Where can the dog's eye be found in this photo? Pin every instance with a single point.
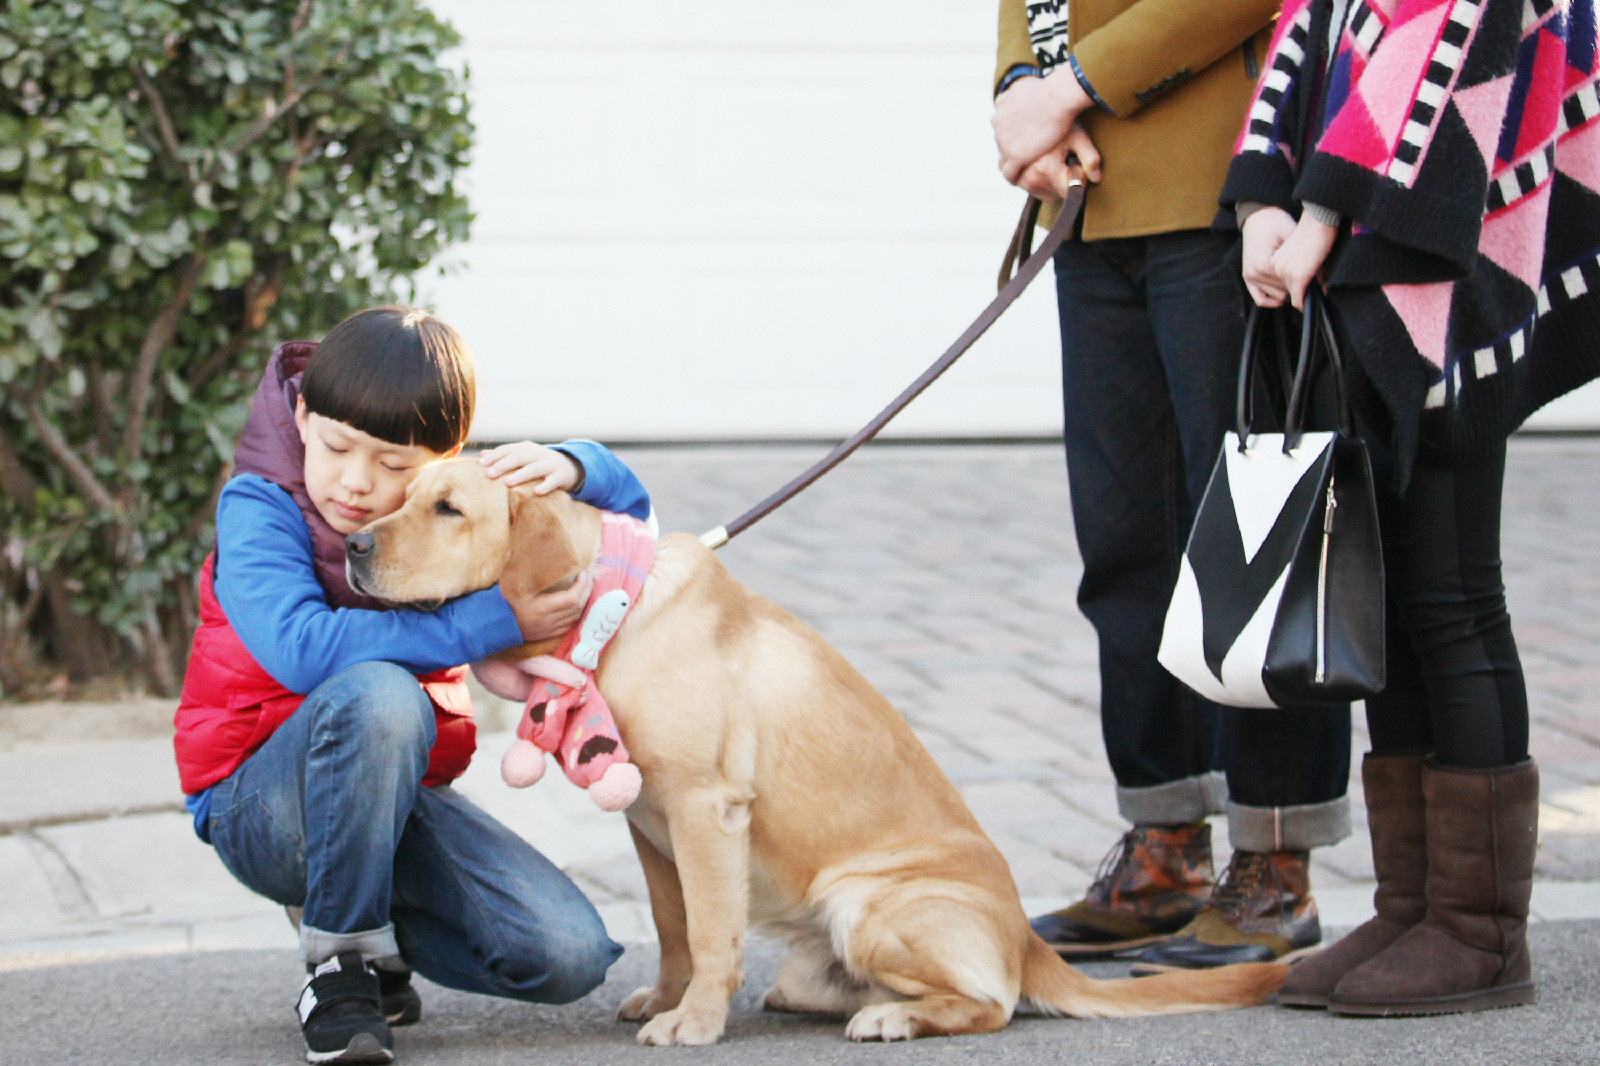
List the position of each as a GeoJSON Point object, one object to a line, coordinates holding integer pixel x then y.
{"type": "Point", "coordinates": [444, 507]}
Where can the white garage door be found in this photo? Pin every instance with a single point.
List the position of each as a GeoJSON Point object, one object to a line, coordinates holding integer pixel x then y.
{"type": "Point", "coordinates": [714, 219]}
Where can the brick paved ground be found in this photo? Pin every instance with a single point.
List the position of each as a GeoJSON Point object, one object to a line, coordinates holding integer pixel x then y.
{"type": "Point", "coordinates": [946, 574]}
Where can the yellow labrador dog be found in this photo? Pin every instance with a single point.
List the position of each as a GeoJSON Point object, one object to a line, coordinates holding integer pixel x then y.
{"type": "Point", "coordinates": [780, 789]}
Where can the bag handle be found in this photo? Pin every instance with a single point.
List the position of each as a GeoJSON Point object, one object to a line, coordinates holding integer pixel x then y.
{"type": "Point", "coordinates": [1315, 326]}
{"type": "Point", "coordinates": [1315, 323]}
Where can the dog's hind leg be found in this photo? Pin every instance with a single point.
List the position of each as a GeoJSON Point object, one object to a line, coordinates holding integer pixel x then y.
{"type": "Point", "coordinates": [813, 981]}
{"type": "Point", "coordinates": [710, 832]}
{"type": "Point", "coordinates": [672, 930]}
{"type": "Point", "coordinates": [937, 1015]}
{"type": "Point", "coordinates": [941, 952]}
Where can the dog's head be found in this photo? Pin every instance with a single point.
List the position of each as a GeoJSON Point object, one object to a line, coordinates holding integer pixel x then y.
{"type": "Point", "coordinates": [460, 531]}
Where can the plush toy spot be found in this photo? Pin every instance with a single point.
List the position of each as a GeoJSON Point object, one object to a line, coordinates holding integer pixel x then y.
{"type": "Point", "coordinates": [595, 746]}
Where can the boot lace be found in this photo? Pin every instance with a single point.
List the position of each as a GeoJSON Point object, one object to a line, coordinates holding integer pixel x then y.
{"type": "Point", "coordinates": [1242, 882]}
{"type": "Point", "coordinates": [1111, 865]}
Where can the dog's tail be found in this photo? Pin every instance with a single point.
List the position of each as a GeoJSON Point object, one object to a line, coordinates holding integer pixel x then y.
{"type": "Point", "coordinates": [1053, 987]}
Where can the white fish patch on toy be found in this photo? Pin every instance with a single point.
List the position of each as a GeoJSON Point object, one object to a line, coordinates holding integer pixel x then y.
{"type": "Point", "coordinates": [598, 627]}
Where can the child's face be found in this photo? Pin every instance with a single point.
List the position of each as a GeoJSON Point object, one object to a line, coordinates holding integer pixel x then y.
{"type": "Point", "coordinates": [353, 477]}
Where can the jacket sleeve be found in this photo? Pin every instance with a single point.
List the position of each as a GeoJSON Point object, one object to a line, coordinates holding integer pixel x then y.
{"type": "Point", "coordinates": [1420, 196]}
{"type": "Point", "coordinates": [1015, 47]}
{"type": "Point", "coordinates": [607, 482]}
{"type": "Point", "coordinates": [1156, 45]}
{"type": "Point", "coordinates": [1262, 169]}
{"type": "Point", "coordinates": [267, 586]}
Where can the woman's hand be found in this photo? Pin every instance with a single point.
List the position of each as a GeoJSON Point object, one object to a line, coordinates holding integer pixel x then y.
{"type": "Point", "coordinates": [1264, 233]}
{"type": "Point", "coordinates": [1034, 116]}
{"type": "Point", "coordinates": [1299, 258]}
{"type": "Point", "coordinates": [1047, 177]}
{"type": "Point", "coordinates": [526, 461]}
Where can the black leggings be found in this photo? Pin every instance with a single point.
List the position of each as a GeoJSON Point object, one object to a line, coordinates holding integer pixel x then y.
{"type": "Point", "coordinates": [1455, 685]}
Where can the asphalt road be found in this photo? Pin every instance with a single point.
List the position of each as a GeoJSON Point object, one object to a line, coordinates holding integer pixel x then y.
{"type": "Point", "coordinates": [227, 1008]}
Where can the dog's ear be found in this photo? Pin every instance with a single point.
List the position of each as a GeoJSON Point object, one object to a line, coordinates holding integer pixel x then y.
{"type": "Point", "coordinates": [541, 551]}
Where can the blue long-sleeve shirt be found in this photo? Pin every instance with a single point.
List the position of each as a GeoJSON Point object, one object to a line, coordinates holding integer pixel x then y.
{"type": "Point", "coordinates": [266, 583]}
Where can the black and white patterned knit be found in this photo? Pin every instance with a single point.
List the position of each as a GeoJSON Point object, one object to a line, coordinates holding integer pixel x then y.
{"type": "Point", "coordinates": [1047, 30]}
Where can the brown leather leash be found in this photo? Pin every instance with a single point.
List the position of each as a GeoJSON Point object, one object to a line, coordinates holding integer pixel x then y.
{"type": "Point", "coordinates": [1021, 251]}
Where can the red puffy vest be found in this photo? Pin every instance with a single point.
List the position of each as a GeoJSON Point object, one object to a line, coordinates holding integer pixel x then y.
{"type": "Point", "coordinates": [230, 706]}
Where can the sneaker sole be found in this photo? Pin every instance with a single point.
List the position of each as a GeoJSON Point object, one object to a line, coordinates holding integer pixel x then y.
{"type": "Point", "coordinates": [363, 1048]}
{"type": "Point", "coordinates": [1107, 951]}
{"type": "Point", "coordinates": [1518, 995]}
{"type": "Point", "coordinates": [1150, 969]}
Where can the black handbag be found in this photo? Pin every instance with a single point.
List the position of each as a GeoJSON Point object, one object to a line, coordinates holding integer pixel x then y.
{"type": "Point", "coordinates": [1280, 594]}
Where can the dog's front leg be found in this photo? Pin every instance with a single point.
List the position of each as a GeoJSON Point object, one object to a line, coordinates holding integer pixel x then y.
{"type": "Point", "coordinates": [672, 929]}
{"type": "Point", "coordinates": [710, 831]}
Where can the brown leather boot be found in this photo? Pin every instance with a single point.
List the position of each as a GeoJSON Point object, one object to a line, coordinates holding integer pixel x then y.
{"type": "Point", "coordinates": [1148, 887]}
{"type": "Point", "coordinates": [1393, 785]}
{"type": "Point", "coordinates": [1260, 911]}
{"type": "Point", "coordinates": [1471, 950]}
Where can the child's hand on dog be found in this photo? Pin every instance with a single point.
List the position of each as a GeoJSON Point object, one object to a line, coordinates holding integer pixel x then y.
{"type": "Point", "coordinates": [526, 461]}
{"type": "Point", "coordinates": [550, 614]}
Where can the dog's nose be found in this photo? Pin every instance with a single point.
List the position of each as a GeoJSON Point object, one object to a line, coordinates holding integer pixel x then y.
{"type": "Point", "coordinates": [358, 545]}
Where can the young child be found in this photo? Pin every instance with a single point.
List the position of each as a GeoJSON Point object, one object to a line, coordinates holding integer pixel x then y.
{"type": "Point", "coordinates": [319, 729]}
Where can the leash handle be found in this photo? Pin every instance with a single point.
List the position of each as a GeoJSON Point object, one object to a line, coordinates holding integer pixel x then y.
{"type": "Point", "coordinates": [1071, 186]}
{"type": "Point", "coordinates": [1022, 240]}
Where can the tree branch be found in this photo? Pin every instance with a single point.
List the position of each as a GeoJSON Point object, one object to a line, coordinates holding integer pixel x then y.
{"type": "Point", "coordinates": [169, 135]}
{"type": "Point", "coordinates": [156, 339]}
{"type": "Point", "coordinates": [258, 301]}
{"type": "Point", "coordinates": [15, 480]}
{"type": "Point", "coordinates": [158, 656]}
{"type": "Point", "coordinates": [265, 122]}
{"type": "Point", "coordinates": [94, 371]}
{"type": "Point", "coordinates": [76, 468]}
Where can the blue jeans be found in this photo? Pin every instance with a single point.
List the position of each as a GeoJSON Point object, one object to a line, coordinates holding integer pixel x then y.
{"type": "Point", "coordinates": [329, 815]}
{"type": "Point", "coordinates": [1151, 332]}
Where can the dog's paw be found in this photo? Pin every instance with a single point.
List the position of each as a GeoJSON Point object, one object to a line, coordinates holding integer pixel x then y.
{"type": "Point", "coordinates": [643, 1004]}
{"type": "Point", "coordinates": [681, 1026]}
{"type": "Point", "coordinates": [882, 1021]}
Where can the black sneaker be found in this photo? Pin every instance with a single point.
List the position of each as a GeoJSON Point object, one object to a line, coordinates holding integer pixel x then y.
{"type": "Point", "coordinates": [401, 1004]}
{"type": "Point", "coordinates": [341, 1014]}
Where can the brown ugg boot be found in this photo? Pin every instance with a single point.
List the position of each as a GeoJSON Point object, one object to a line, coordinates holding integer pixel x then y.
{"type": "Point", "coordinates": [1471, 950]}
{"type": "Point", "coordinates": [1393, 785]}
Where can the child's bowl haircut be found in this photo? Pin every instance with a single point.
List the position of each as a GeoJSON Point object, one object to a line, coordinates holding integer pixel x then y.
{"type": "Point", "coordinates": [397, 373]}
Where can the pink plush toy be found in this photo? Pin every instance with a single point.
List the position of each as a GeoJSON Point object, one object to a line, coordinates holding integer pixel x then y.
{"type": "Point", "coordinates": [565, 712]}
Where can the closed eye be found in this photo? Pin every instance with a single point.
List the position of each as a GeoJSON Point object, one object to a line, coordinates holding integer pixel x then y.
{"type": "Point", "coordinates": [444, 507]}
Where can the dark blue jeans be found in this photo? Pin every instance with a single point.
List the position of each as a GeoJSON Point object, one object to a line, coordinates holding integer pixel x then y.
{"type": "Point", "coordinates": [1151, 331]}
{"type": "Point", "coordinates": [329, 815]}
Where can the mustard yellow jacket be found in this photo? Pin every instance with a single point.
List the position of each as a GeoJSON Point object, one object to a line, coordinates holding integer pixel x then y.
{"type": "Point", "coordinates": [1176, 78]}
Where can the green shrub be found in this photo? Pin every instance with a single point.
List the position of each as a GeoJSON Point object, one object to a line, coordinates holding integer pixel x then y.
{"type": "Point", "coordinates": [184, 184]}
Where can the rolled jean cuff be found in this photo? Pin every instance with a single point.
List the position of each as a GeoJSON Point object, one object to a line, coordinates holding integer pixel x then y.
{"type": "Point", "coordinates": [1188, 799]}
{"type": "Point", "coordinates": [1311, 825]}
{"type": "Point", "coordinates": [317, 947]}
